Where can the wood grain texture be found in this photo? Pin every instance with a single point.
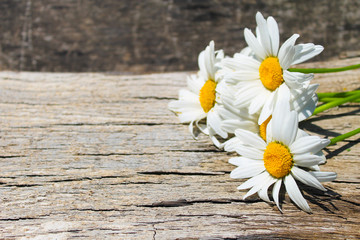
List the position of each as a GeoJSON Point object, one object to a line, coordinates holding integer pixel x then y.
{"type": "Point", "coordinates": [99, 156]}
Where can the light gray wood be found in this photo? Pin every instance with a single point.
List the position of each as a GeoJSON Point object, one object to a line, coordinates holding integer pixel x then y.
{"type": "Point", "coordinates": [99, 156]}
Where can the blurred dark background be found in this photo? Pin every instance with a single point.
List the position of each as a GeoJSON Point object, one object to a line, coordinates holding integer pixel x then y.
{"type": "Point", "coordinates": [137, 36]}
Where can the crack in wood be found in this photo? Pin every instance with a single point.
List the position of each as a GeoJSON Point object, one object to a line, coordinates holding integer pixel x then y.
{"type": "Point", "coordinates": [347, 182]}
{"type": "Point", "coordinates": [113, 154]}
{"type": "Point", "coordinates": [195, 150]}
{"type": "Point", "coordinates": [13, 156]}
{"type": "Point", "coordinates": [128, 183]}
{"type": "Point", "coordinates": [102, 210]}
{"type": "Point", "coordinates": [84, 179]}
{"type": "Point", "coordinates": [184, 202]}
{"type": "Point", "coordinates": [96, 124]}
{"type": "Point", "coordinates": [211, 215]}
{"type": "Point", "coordinates": [21, 218]}
{"type": "Point", "coordinates": [21, 185]}
{"type": "Point", "coordinates": [40, 175]}
{"type": "Point", "coordinates": [156, 98]}
{"type": "Point", "coordinates": [154, 231]}
{"type": "Point", "coordinates": [351, 202]}
{"type": "Point", "coordinates": [182, 173]}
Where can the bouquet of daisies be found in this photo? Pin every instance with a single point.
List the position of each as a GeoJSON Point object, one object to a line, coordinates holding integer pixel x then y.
{"type": "Point", "coordinates": [251, 104]}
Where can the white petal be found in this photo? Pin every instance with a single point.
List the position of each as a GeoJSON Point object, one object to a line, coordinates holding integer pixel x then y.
{"type": "Point", "coordinates": [191, 129]}
{"type": "Point", "coordinates": [287, 52]}
{"type": "Point", "coordinates": [252, 139]}
{"type": "Point", "coordinates": [254, 180]}
{"type": "Point", "coordinates": [247, 93]}
{"type": "Point", "coordinates": [324, 176]}
{"type": "Point", "coordinates": [252, 169]}
{"type": "Point", "coordinates": [260, 184]}
{"type": "Point", "coordinates": [306, 51]}
{"type": "Point", "coordinates": [308, 144]}
{"type": "Point", "coordinates": [243, 76]}
{"type": "Point", "coordinates": [275, 193]}
{"type": "Point", "coordinates": [314, 168]}
{"type": "Point", "coordinates": [202, 127]}
{"type": "Point", "coordinates": [194, 83]}
{"type": "Point", "coordinates": [295, 194]}
{"type": "Point", "coordinates": [215, 141]}
{"type": "Point", "coordinates": [230, 63]}
{"type": "Point", "coordinates": [246, 63]}
{"type": "Point", "coordinates": [210, 60]}
{"type": "Point", "coordinates": [296, 80]}
{"type": "Point", "coordinates": [283, 98]}
{"type": "Point", "coordinates": [264, 33]}
{"type": "Point", "coordinates": [301, 133]}
{"type": "Point", "coordinates": [274, 35]}
{"type": "Point", "coordinates": [214, 122]}
{"type": "Point", "coordinates": [241, 63]}
{"type": "Point", "coordinates": [188, 96]}
{"type": "Point", "coordinates": [227, 112]}
{"type": "Point", "coordinates": [306, 178]}
{"type": "Point", "coordinates": [231, 125]}
{"type": "Point", "coordinates": [263, 193]}
{"type": "Point", "coordinates": [231, 144]}
{"type": "Point", "coordinates": [307, 160]}
{"type": "Point", "coordinates": [254, 44]}
{"type": "Point", "coordinates": [202, 65]}
{"type": "Point", "coordinates": [284, 127]}
{"type": "Point", "coordinates": [305, 102]}
{"type": "Point", "coordinates": [268, 107]}
{"type": "Point", "coordinates": [322, 156]}
{"type": "Point", "coordinates": [269, 131]}
{"type": "Point", "coordinates": [184, 106]}
{"type": "Point", "coordinates": [286, 61]}
{"type": "Point", "coordinates": [189, 116]}
{"type": "Point", "coordinates": [242, 161]}
{"type": "Point", "coordinates": [249, 152]}
{"type": "Point", "coordinates": [245, 51]}
{"type": "Point", "coordinates": [258, 102]}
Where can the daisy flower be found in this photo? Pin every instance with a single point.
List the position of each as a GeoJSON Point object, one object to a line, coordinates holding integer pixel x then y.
{"type": "Point", "coordinates": [202, 100]}
{"type": "Point", "coordinates": [287, 155]}
{"type": "Point", "coordinates": [260, 73]}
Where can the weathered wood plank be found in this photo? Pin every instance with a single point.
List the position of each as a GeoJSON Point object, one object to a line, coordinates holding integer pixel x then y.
{"type": "Point", "coordinates": [100, 156]}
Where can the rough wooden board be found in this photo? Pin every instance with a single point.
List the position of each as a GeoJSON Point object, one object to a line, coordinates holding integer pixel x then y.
{"type": "Point", "coordinates": [98, 156]}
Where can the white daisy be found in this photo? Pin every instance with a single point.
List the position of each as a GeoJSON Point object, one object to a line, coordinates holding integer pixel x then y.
{"type": "Point", "coordinates": [202, 98]}
{"type": "Point", "coordinates": [288, 154]}
{"type": "Point", "coordinates": [259, 74]}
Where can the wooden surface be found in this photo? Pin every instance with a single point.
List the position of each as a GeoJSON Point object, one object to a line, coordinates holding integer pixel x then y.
{"type": "Point", "coordinates": [99, 156]}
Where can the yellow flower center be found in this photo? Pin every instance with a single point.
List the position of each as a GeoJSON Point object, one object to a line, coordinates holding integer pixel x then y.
{"type": "Point", "coordinates": [262, 128]}
{"type": "Point", "coordinates": [278, 160]}
{"type": "Point", "coordinates": [208, 95]}
{"type": "Point", "coordinates": [271, 74]}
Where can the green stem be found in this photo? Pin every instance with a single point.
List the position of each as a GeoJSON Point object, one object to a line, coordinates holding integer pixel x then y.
{"type": "Point", "coordinates": [335, 103]}
{"type": "Point", "coordinates": [323, 70]}
{"type": "Point", "coordinates": [344, 136]}
{"type": "Point", "coordinates": [337, 94]}
{"type": "Point", "coordinates": [330, 99]}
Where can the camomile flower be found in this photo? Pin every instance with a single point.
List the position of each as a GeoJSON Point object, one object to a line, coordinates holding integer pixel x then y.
{"type": "Point", "coordinates": [288, 155]}
{"type": "Point", "coordinates": [202, 99]}
{"type": "Point", "coordinates": [258, 72]}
